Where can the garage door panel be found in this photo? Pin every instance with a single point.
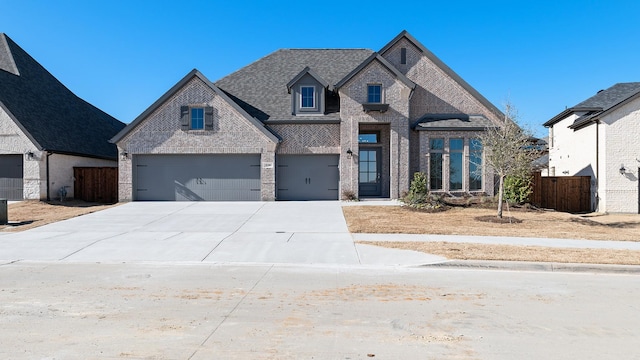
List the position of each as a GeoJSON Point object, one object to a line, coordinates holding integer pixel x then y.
{"type": "Point", "coordinates": [307, 177]}
{"type": "Point", "coordinates": [198, 177]}
{"type": "Point", "coordinates": [11, 181]}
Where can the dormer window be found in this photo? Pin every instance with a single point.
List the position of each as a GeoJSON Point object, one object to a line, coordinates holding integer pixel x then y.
{"type": "Point", "coordinates": [374, 94]}
{"type": "Point", "coordinates": [307, 97]}
{"type": "Point", "coordinates": [307, 91]}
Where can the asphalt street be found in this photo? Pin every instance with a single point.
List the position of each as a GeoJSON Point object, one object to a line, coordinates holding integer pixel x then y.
{"type": "Point", "coordinates": [287, 281]}
{"type": "Point", "coordinates": [206, 311]}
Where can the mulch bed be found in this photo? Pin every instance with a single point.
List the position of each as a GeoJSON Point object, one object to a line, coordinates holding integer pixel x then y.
{"type": "Point", "coordinates": [496, 220]}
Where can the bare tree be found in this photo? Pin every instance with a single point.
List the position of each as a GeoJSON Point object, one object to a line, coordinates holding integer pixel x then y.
{"type": "Point", "coordinates": [509, 151]}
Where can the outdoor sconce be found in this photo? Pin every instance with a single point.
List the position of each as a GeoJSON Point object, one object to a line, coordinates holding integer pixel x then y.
{"type": "Point", "coordinates": [349, 152]}
{"type": "Point", "coordinates": [30, 155]}
{"type": "Point", "coordinates": [124, 155]}
{"type": "Point", "coordinates": [622, 169]}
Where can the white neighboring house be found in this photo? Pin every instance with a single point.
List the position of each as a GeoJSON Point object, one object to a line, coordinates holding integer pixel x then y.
{"type": "Point", "coordinates": [600, 138]}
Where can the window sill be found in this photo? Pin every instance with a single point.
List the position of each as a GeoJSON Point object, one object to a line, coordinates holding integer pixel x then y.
{"type": "Point", "coordinates": [375, 107]}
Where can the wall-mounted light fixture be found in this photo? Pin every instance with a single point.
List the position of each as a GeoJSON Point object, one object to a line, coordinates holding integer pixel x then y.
{"type": "Point", "coordinates": [124, 155]}
{"type": "Point", "coordinates": [566, 172]}
{"type": "Point", "coordinates": [30, 155]}
{"type": "Point", "coordinates": [622, 169]}
{"type": "Point", "coordinates": [349, 153]}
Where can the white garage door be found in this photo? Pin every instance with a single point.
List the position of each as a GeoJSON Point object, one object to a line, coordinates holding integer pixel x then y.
{"type": "Point", "coordinates": [197, 177]}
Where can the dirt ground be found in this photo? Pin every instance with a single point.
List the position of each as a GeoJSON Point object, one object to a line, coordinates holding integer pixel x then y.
{"type": "Point", "coordinates": [29, 214]}
{"type": "Point", "coordinates": [465, 221]}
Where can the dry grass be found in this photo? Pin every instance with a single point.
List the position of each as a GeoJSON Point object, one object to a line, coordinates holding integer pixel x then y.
{"type": "Point", "coordinates": [463, 221]}
{"type": "Point", "coordinates": [469, 251]}
{"type": "Point", "coordinates": [29, 214]}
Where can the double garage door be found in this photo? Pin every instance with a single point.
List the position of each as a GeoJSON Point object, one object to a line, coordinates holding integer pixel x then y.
{"type": "Point", "coordinates": [232, 177]}
{"type": "Point", "coordinates": [197, 177]}
{"type": "Point", "coordinates": [11, 177]}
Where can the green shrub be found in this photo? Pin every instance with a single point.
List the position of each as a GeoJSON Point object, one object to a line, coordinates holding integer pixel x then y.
{"type": "Point", "coordinates": [419, 197]}
{"type": "Point", "coordinates": [517, 189]}
{"type": "Point", "coordinates": [418, 184]}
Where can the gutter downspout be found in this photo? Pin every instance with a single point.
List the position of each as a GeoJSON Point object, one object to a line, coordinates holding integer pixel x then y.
{"type": "Point", "coordinates": [48, 196]}
{"type": "Point", "coordinates": [597, 192]}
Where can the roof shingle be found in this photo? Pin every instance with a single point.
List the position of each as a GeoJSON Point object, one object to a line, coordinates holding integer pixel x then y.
{"type": "Point", "coordinates": [260, 88]}
{"type": "Point", "coordinates": [53, 117]}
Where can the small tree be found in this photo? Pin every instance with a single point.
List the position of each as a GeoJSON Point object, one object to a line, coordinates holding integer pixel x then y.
{"type": "Point", "coordinates": [509, 151]}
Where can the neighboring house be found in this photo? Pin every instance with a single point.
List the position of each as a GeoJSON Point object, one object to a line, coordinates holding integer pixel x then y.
{"type": "Point", "coordinates": [45, 130]}
{"type": "Point", "coordinates": [305, 124]}
{"type": "Point", "coordinates": [600, 138]}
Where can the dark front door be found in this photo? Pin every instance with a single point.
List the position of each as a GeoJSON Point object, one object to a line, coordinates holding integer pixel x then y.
{"type": "Point", "coordinates": [370, 172]}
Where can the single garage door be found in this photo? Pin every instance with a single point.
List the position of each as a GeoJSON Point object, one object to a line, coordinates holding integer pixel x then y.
{"type": "Point", "coordinates": [197, 177]}
{"type": "Point", "coordinates": [307, 177]}
{"type": "Point", "coordinates": [11, 177]}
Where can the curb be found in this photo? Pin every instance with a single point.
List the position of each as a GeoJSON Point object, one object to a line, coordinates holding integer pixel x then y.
{"type": "Point", "coordinates": [538, 266]}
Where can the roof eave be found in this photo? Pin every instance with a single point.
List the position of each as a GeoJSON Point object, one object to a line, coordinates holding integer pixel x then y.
{"type": "Point", "coordinates": [567, 112]}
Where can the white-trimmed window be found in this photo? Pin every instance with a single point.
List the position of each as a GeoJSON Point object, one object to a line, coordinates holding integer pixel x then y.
{"type": "Point", "coordinates": [307, 97]}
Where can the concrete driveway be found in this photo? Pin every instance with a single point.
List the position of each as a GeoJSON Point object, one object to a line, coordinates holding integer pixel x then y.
{"type": "Point", "coordinates": [310, 232]}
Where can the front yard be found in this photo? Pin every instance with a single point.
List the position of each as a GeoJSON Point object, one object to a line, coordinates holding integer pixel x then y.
{"type": "Point", "coordinates": [464, 221]}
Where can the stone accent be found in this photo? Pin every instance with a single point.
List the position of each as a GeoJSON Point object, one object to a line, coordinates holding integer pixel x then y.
{"type": "Point", "coordinates": [161, 133]}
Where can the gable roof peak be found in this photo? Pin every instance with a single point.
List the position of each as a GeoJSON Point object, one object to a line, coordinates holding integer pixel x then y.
{"type": "Point", "coordinates": [7, 62]}
{"type": "Point", "coordinates": [377, 57]}
{"type": "Point", "coordinates": [305, 71]}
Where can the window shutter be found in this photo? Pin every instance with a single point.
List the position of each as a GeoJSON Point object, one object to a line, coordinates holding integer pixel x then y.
{"type": "Point", "coordinates": [184, 117]}
{"type": "Point", "coordinates": [208, 118]}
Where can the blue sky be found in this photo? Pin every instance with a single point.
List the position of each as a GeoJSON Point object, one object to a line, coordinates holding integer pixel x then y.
{"type": "Point", "coordinates": [123, 55]}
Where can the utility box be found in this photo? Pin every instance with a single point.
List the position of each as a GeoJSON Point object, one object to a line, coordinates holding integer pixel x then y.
{"type": "Point", "coordinates": [4, 218]}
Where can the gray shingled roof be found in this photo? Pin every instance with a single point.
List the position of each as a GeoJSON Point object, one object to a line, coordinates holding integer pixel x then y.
{"type": "Point", "coordinates": [594, 106]}
{"type": "Point", "coordinates": [452, 122]}
{"type": "Point", "coordinates": [52, 116]}
{"type": "Point", "coordinates": [614, 95]}
{"type": "Point", "coordinates": [261, 87]}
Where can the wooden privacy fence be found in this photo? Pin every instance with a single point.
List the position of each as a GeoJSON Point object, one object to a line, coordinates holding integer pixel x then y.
{"type": "Point", "coordinates": [96, 184]}
{"type": "Point", "coordinates": [562, 193]}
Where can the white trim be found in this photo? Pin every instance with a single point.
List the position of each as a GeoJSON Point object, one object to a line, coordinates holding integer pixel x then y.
{"type": "Point", "coordinates": [315, 101]}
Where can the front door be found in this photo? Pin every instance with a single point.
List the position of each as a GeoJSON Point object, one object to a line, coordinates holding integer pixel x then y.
{"type": "Point", "coordinates": [370, 171]}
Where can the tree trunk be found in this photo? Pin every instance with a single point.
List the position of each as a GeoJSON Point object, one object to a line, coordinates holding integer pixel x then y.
{"type": "Point", "coordinates": [500, 196]}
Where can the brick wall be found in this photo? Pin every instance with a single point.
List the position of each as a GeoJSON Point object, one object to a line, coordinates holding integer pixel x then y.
{"type": "Point", "coordinates": [160, 133]}
{"type": "Point", "coordinates": [395, 93]}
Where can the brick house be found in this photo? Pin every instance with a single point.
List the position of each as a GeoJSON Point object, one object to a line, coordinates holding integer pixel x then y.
{"type": "Point", "coordinates": [46, 130]}
{"type": "Point", "coordinates": [600, 138]}
{"type": "Point", "coordinates": [311, 124]}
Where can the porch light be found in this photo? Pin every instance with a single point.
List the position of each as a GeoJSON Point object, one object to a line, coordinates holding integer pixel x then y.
{"type": "Point", "coordinates": [349, 152]}
{"type": "Point", "coordinates": [622, 169]}
{"type": "Point", "coordinates": [30, 155]}
{"type": "Point", "coordinates": [124, 155]}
